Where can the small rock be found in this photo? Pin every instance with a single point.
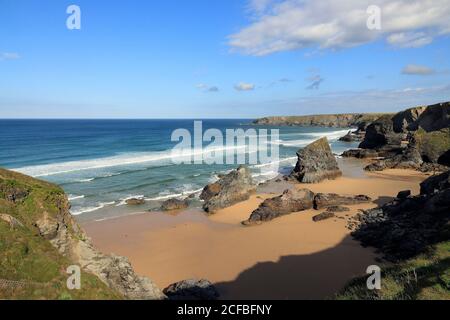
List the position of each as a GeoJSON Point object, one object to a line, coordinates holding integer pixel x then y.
{"type": "Point", "coordinates": [135, 201]}
{"type": "Point", "coordinates": [174, 204]}
{"type": "Point", "coordinates": [192, 290]}
{"type": "Point", "coordinates": [404, 194]}
{"type": "Point", "coordinates": [323, 216]}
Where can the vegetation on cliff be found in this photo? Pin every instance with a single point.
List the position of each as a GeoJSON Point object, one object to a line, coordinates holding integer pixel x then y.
{"type": "Point", "coordinates": [30, 266]}
{"type": "Point", "coordinates": [425, 277]}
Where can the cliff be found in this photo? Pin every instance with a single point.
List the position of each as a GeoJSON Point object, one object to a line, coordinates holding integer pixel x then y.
{"type": "Point", "coordinates": [39, 240]}
{"type": "Point", "coordinates": [359, 120]}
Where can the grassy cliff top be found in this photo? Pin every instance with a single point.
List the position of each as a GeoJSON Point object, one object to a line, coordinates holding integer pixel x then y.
{"type": "Point", "coordinates": [30, 267]}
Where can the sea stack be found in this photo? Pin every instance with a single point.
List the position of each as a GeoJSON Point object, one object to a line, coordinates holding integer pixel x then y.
{"type": "Point", "coordinates": [315, 163]}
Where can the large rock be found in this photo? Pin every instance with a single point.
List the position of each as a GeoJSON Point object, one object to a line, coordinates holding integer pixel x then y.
{"type": "Point", "coordinates": [174, 204]}
{"type": "Point", "coordinates": [235, 187]}
{"type": "Point", "coordinates": [290, 201]}
{"type": "Point", "coordinates": [192, 290]}
{"type": "Point", "coordinates": [435, 183]}
{"type": "Point", "coordinates": [315, 163]}
{"type": "Point", "coordinates": [324, 200]}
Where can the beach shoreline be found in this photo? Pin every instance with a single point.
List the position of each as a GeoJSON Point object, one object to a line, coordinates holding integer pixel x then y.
{"type": "Point", "coordinates": [291, 257]}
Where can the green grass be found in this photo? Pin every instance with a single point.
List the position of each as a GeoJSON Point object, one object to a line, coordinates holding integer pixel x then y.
{"type": "Point", "coordinates": [425, 277]}
{"type": "Point", "coordinates": [433, 144]}
{"type": "Point", "coordinates": [27, 257]}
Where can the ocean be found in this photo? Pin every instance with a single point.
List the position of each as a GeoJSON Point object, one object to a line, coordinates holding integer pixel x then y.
{"type": "Point", "coordinates": [102, 163]}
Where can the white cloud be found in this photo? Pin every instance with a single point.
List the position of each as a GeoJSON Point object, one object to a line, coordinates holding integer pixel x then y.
{"type": "Point", "coordinates": [244, 86]}
{"type": "Point", "coordinates": [207, 88]}
{"type": "Point", "coordinates": [328, 24]}
{"type": "Point", "coordinates": [414, 69]}
{"type": "Point", "coordinates": [9, 56]}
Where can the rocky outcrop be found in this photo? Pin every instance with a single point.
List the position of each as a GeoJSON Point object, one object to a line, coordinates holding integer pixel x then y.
{"type": "Point", "coordinates": [360, 154]}
{"type": "Point", "coordinates": [230, 189]}
{"type": "Point", "coordinates": [407, 226]}
{"type": "Point", "coordinates": [174, 204]}
{"type": "Point", "coordinates": [316, 162]}
{"type": "Point", "coordinates": [411, 139]}
{"type": "Point", "coordinates": [43, 211]}
{"type": "Point", "coordinates": [290, 201]}
{"type": "Point", "coordinates": [353, 136]}
{"type": "Point", "coordinates": [324, 200]}
{"type": "Point", "coordinates": [192, 290]}
{"type": "Point", "coordinates": [359, 120]}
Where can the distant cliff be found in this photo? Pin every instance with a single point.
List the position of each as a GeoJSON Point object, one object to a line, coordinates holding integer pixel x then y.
{"type": "Point", "coordinates": [360, 120]}
{"type": "Point", "coordinates": [39, 239]}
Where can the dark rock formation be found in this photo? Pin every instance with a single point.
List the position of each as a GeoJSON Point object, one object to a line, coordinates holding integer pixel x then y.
{"type": "Point", "coordinates": [353, 136]}
{"type": "Point", "coordinates": [323, 216]}
{"type": "Point", "coordinates": [435, 183]}
{"type": "Point", "coordinates": [405, 227]}
{"type": "Point", "coordinates": [404, 194]}
{"type": "Point", "coordinates": [174, 204]}
{"type": "Point", "coordinates": [235, 187]}
{"type": "Point", "coordinates": [192, 290]}
{"type": "Point", "coordinates": [290, 201]}
{"type": "Point", "coordinates": [315, 163]}
{"type": "Point", "coordinates": [135, 202]}
{"type": "Point", "coordinates": [359, 120]}
{"type": "Point", "coordinates": [360, 153]}
{"type": "Point", "coordinates": [324, 200]}
{"type": "Point", "coordinates": [13, 192]}
{"type": "Point", "coordinates": [411, 139]}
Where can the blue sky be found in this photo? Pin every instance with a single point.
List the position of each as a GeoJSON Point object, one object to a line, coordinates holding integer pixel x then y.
{"type": "Point", "coordinates": [219, 58]}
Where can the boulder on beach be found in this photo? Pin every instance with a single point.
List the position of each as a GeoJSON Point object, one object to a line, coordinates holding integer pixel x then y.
{"type": "Point", "coordinates": [315, 163]}
{"type": "Point", "coordinates": [230, 189]}
{"type": "Point", "coordinates": [135, 201]}
{"type": "Point", "coordinates": [324, 200]}
{"type": "Point", "coordinates": [290, 201]}
{"type": "Point", "coordinates": [192, 290]}
{"type": "Point", "coordinates": [324, 216]}
{"type": "Point", "coordinates": [174, 204]}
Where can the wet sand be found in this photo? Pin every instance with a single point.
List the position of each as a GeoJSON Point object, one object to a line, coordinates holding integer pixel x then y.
{"type": "Point", "coordinates": [289, 258]}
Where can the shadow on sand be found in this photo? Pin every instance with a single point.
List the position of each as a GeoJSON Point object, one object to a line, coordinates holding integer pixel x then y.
{"type": "Point", "coordinates": [315, 276]}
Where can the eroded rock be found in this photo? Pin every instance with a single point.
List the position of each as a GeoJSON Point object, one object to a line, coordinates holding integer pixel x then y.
{"type": "Point", "coordinates": [192, 290]}
{"type": "Point", "coordinates": [290, 201]}
{"type": "Point", "coordinates": [316, 163]}
{"type": "Point", "coordinates": [323, 200]}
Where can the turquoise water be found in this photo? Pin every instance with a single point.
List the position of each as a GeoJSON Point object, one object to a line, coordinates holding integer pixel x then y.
{"type": "Point", "coordinates": [101, 163]}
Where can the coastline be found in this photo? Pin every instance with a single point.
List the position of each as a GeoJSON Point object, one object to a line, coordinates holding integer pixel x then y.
{"type": "Point", "coordinates": [289, 258]}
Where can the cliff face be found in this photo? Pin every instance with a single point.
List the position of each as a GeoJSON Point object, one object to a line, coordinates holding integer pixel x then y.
{"type": "Point", "coordinates": [359, 120]}
{"type": "Point", "coordinates": [39, 239]}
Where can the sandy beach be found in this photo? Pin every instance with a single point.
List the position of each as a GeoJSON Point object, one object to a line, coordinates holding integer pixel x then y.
{"type": "Point", "coordinates": [289, 258]}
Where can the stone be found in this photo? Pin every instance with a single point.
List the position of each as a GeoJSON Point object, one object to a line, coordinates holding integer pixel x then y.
{"type": "Point", "coordinates": [174, 204]}
{"type": "Point", "coordinates": [324, 216]}
{"type": "Point", "coordinates": [232, 188]}
{"type": "Point", "coordinates": [192, 290]}
{"type": "Point", "coordinates": [360, 153]}
{"type": "Point", "coordinates": [135, 201]}
{"type": "Point", "coordinates": [323, 200]}
{"type": "Point", "coordinates": [316, 163]}
{"type": "Point", "coordinates": [290, 201]}
{"type": "Point", "coordinates": [435, 183]}
{"type": "Point", "coordinates": [404, 194]}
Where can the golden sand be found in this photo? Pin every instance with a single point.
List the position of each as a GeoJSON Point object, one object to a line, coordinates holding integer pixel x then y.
{"type": "Point", "coordinates": [291, 257]}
